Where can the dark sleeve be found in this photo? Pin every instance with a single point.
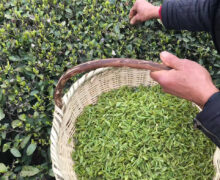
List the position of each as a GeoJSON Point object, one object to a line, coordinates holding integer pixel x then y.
{"type": "Point", "coordinates": [192, 15]}
{"type": "Point", "coordinates": [209, 119]}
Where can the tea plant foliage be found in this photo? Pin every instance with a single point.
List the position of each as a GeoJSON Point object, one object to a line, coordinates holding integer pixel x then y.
{"type": "Point", "coordinates": [40, 39]}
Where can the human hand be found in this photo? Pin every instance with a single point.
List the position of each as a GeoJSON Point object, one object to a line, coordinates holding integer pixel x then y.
{"type": "Point", "coordinates": [187, 79]}
{"type": "Point", "coordinates": [143, 11]}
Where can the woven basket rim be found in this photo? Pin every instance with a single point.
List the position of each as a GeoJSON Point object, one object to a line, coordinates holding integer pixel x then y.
{"type": "Point", "coordinates": [81, 81]}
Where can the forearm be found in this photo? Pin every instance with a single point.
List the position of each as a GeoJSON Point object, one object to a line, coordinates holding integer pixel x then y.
{"type": "Point", "coordinates": [209, 119]}
{"type": "Point", "coordinates": [192, 15]}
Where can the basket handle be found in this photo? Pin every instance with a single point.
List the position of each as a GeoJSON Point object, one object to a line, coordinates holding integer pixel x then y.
{"type": "Point", "coordinates": [92, 65]}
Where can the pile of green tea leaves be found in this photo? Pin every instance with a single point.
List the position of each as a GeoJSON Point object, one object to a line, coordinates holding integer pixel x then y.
{"type": "Point", "coordinates": [141, 133]}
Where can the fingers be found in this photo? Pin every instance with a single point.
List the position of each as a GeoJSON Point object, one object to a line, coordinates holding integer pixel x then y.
{"type": "Point", "coordinates": [135, 19]}
{"type": "Point", "coordinates": [171, 60]}
{"type": "Point", "coordinates": [164, 78]}
{"type": "Point", "coordinates": [160, 76]}
{"type": "Point", "coordinates": [133, 16]}
{"type": "Point", "coordinates": [133, 12]}
{"type": "Point", "coordinates": [170, 91]}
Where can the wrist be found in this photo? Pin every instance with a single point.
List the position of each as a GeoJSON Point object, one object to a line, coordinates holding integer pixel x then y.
{"type": "Point", "coordinates": [156, 12]}
{"type": "Point", "coordinates": [208, 94]}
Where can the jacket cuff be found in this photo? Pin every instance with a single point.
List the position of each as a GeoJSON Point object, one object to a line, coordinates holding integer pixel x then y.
{"type": "Point", "coordinates": [209, 119]}
{"type": "Point", "coordinates": [160, 13]}
{"type": "Point", "coordinates": [164, 14]}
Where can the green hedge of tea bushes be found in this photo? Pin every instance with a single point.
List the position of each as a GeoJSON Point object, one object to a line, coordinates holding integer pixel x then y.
{"type": "Point", "coordinates": [40, 39]}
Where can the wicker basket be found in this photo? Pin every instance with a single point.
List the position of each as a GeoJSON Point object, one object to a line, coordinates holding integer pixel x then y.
{"type": "Point", "coordinates": [85, 91]}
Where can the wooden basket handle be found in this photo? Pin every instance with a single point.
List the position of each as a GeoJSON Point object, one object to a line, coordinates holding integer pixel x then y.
{"type": "Point", "coordinates": [92, 65]}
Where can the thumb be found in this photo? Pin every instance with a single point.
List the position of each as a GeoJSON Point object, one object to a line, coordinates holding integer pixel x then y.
{"type": "Point", "coordinates": [170, 60]}
{"type": "Point", "coordinates": [135, 19]}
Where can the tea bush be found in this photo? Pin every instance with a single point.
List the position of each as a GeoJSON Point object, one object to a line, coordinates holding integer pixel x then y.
{"type": "Point", "coordinates": [40, 39]}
